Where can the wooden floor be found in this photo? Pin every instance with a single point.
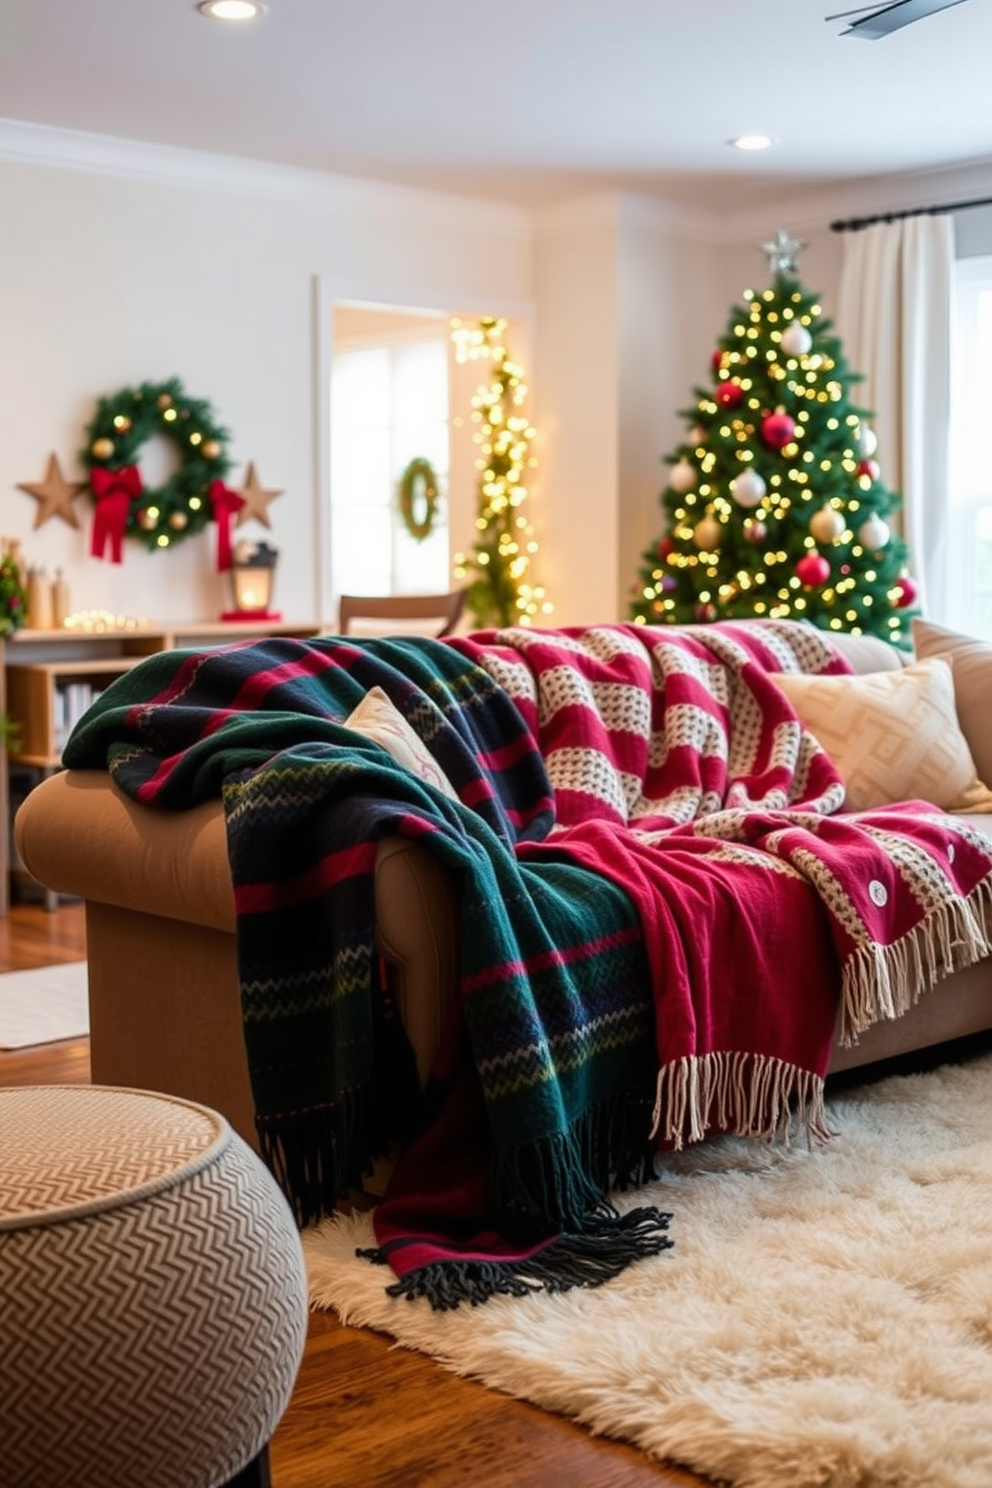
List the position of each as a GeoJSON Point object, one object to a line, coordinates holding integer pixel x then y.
{"type": "Point", "coordinates": [364, 1414]}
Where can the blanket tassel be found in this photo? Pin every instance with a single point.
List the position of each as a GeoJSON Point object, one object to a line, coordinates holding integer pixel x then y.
{"type": "Point", "coordinates": [609, 1243]}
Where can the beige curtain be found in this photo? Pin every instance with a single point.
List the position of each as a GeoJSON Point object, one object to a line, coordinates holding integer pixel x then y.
{"type": "Point", "coordinates": [894, 320]}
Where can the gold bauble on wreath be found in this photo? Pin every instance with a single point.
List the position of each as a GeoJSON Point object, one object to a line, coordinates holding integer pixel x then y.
{"type": "Point", "coordinates": [102, 449]}
{"type": "Point", "coordinates": [418, 483]}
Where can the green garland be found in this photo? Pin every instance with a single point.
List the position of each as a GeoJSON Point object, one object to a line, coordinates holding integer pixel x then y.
{"type": "Point", "coordinates": [121, 425]}
{"type": "Point", "coordinates": [419, 471]}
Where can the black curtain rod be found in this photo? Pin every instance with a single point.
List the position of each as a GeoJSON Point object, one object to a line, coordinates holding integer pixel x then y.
{"type": "Point", "coordinates": [854, 224]}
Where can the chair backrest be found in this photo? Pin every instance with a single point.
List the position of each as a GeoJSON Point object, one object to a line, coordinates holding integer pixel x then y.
{"type": "Point", "coordinates": [400, 614]}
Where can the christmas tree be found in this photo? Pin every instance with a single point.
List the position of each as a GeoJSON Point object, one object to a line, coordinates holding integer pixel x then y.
{"type": "Point", "coordinates": [775, 502]}
{"type": "Point", "coordinates": [500, 591]}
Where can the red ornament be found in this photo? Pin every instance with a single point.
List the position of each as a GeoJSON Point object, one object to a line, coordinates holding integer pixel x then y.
{"type": "Point", "coordinates": [870, 468]}
{"type": "Point", "coordinates": [664, 548]}
{"type": "Point", "coordinates": [730, 395]}
{"type": "Point", "coordinates": [716, 360]}
{"type": "Point", "coordinates": [907, 592]}
{"type": "Point", "coordinates": [777, 430]}
{"type": "Point", "coordinates": [706, 613]}
{"type": "Point", "coordinates": [813, 570]}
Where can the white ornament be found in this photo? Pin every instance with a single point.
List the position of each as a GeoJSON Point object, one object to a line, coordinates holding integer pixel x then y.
{"type": "Point", "coordinates": [706, 534]}
{"type": "Point", "coordinates": [683, 477]}
{"type": "Point", "coordinates": [867, 442]}
{"type": "Point", "coordinates": [827, 524]}
{"type": "Point", "coordinates": [796, 339]}
{"type": "Point", "coordinates": [873, 533]}
{"type": "Point", "coordinates": [747, 488]}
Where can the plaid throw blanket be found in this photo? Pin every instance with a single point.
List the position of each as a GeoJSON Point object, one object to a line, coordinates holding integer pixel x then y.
{"type": "Point", "coordinates": [662, 913]}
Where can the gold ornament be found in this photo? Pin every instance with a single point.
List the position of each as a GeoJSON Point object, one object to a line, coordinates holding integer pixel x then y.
{"type": "Point", "coordinates": [706, 534]}
{"type": "Point", "coordinates": [164, 400]}
{"type": "Point", "coordinates": [178, 521]}
{"type": "Point", "coordinates": [147, 520]}
{"type": "Point", "coordinates": [122, 422]}
{"type": "Point", "coordinates": [826, 525]}
{"type": "Point", "coordinates": [102, 449]}
{"type": "Point", "coordinates": [211, 449]}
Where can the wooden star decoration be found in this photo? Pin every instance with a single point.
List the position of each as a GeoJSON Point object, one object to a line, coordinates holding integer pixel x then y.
{"type": "Point", "coordinates": [54, 494]}
{"type": "Point", "coordinates": [783, 250]}
{"type": "Point", "coordinates": [256, 498]}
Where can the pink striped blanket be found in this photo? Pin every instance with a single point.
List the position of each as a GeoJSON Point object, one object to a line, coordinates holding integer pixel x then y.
{"type": "Point", "coordinates": [772, 919]}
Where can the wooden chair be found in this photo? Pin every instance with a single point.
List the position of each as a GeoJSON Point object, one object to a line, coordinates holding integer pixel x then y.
{"type": "Point", "coordinates": [392, 613]}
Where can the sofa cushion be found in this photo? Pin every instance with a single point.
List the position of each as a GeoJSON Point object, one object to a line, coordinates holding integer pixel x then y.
{"type": "Point", "coordinates": [376, 718]}
{"type": "Point", "coordinates": [972, 661]}
{"type": "Point", "coordinates": [893, 736]}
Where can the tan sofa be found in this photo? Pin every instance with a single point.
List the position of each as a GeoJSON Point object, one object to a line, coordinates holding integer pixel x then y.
{"type": "Point", "coordinates": [164, 999]}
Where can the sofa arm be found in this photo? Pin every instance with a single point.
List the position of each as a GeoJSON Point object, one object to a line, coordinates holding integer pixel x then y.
{"type": "Point", "coordinates": [78, 834]}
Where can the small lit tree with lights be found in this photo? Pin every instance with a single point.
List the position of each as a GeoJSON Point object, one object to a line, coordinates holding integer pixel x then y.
{"type": "Point", "coordinates": [499, 591]}
{"type": "Point", "coordinates": [775, 502]}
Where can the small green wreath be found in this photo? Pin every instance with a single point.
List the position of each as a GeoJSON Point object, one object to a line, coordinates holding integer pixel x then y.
{"type": "Point", "coordinates": [418, 488]}
{"type": "Point", "coordinates": [121, 425]}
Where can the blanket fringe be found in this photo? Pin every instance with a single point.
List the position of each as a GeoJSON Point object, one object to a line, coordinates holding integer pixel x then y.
{"type": "Point", "coordinates": [748, 1095]}
{"type": "Point", "coordinates": [317, 1156]}
{"type": "Point", "coordinates": [558, 1181]}
{"type": "Point", "coordinates": [882, 982]}
{"type": "Point", "coordinates": [608, 1244]}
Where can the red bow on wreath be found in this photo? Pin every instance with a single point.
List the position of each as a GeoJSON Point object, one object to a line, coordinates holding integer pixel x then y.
{"type": "Point", "coordinates": [225, 503]}
{"type": "Point", "coordinates": [114, 491]}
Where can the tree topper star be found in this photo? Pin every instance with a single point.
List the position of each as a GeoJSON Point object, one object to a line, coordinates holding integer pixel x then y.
{"type": "Point", "coordinates": [783, 250]}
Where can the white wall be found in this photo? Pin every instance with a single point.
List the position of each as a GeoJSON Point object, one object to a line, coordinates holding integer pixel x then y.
{"type": "Point", "coordinates": [577, 376]}
{"type": "Point", "coordinates": [121, 264]}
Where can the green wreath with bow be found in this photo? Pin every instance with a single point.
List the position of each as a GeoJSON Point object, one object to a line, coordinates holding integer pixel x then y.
{"type": "Point", "coordinates": [418, 498]}
{"type": "Point", "coordinates": [192, 496]}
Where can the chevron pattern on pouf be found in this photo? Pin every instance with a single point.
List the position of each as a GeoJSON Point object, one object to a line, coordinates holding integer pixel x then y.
{"type": "Point", "coordinates": [153, 1299]}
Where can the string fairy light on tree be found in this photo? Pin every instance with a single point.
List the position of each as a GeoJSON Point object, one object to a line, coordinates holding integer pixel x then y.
{"type": "Point", "coordinates": [500, 591]}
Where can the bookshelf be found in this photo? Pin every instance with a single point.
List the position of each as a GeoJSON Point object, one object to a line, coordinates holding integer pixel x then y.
{"type": "Point", "coordinates": [49, 678]}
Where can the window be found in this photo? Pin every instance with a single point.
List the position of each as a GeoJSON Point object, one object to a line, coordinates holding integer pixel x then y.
{"type": "Point", "coordinates": [971, 450]}
{"type": "Point", "coordinates": [389, 404]}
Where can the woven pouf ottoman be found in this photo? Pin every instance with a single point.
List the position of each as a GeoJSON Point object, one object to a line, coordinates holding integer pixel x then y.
{"type": "Point", "coordinates": [153, 1301]}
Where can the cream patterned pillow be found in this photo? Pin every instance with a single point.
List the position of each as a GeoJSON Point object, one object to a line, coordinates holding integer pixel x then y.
{"type": "Point", "coordinates": [376, 718]}
{"type": "Point", "coordinates": [894, 736]}
{"type": "Point", "coordinates": [972, 663]}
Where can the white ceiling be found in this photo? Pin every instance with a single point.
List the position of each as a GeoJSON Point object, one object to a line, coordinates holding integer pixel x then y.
{"type": "Point", "coordinates": [522, 100]}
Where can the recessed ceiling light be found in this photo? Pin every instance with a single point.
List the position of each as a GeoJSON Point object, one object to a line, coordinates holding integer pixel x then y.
{"type": "Point", "coordinates": [751, 142]}
{"type": "Point", "coordinates": [231, 10]}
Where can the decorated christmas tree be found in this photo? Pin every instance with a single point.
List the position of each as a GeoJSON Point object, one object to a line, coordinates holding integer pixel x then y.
{"type": "Point", "coordinates": [775, 501]}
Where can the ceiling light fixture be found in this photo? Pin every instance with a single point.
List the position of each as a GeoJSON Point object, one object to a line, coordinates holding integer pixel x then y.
{"type": "Point", "coordinates": [751, 142]}
{"type": "Point", "coordinates": [231, 10]}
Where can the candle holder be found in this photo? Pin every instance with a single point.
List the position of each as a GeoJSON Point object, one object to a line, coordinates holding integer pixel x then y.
{"type": "Point", "coordinates": [252, 571]}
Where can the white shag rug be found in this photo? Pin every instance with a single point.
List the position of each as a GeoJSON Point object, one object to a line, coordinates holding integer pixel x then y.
{"type": "Point", "coordinates": [825, 1316]}
{"type": "Point", "coordinates": [43, 1005]}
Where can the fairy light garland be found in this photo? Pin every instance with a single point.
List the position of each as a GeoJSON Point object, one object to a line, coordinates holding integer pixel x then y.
{"type": "Point", "coordinates": [500, 589]}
